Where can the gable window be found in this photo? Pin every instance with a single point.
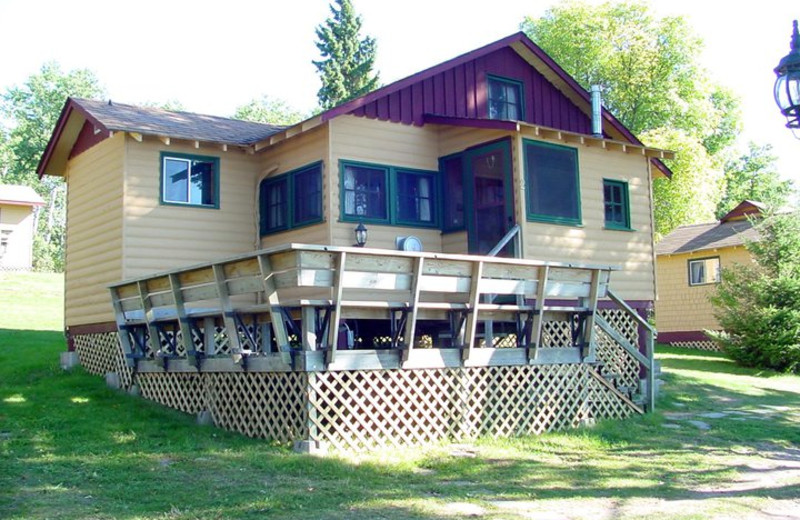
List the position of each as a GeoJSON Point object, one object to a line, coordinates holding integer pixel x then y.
{"type": "Point", "coordinates": [552, 183]}
{"type": "Point", "coordinates": [704, 271]}
{"type": "Point", "coordinates": [616, 205]}
{"type": "Point", "coordinates": [505, 99]}
{"type": "Point", "coordinates": [388, 195]}
{"type": "Point", "coordinates": [291, 200]}
{"type": "Point", "coordinates": [190, 180]}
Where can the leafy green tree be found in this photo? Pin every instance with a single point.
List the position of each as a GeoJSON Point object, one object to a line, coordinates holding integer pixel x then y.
{"type": "Point", "coordinates": [268, 110]}
{"type": "Point", "coordinates": [347, 60]}
{"type": "Point", "coordinates": [753, 176]}
{"type": "Point", "coordinates": [32, 110]}
{"type": "Point", "coordinates": [653, 83]}
{"type": "Point", "coordinates": [758, 306]}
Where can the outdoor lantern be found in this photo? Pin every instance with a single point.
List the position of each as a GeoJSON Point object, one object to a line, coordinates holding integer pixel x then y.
{"type": "Point", "coordinates": [361, 234]}
{"type": "Point", "coordinates": [787, 85]}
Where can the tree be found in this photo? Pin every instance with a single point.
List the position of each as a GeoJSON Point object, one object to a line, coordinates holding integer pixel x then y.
{"type": "Point", "coordinates": [753, 176]}
{"type": "Point", "coordinates": [267, 110]}
{"type": "Point", "coordinates": [32, 111]}
{"type": "Point", "coordinates": [758, 306]}
{"type": "Point", "coordinates": [347, 60]}
{"type": "Point", "coordinates": [653, 83]}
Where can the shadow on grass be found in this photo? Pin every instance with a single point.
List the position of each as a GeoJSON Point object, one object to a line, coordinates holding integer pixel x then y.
{"type": "Point", "coordinates": [72, 448]}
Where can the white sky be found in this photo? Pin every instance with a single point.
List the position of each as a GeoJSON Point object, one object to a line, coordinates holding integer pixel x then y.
{"type": "Point", "coordinates": [214, 56]}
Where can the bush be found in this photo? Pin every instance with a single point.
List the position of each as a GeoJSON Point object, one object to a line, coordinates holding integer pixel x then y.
{"type": "Point", "coordinates": [758, 306]}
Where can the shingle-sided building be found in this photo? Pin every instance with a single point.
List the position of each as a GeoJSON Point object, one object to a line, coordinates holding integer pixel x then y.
{"type": "Point", "coordinates": [440, 167]}
{"type": "Point", "coordinates": [17, 207]}
{"type": "Point", "coordinates": [689, 263]}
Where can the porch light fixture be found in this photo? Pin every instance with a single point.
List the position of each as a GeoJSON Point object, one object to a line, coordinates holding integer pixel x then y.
{"type": "Point", "coordinates": [361, 234]}
{"type": "Point", "coordinates": [787, 84]}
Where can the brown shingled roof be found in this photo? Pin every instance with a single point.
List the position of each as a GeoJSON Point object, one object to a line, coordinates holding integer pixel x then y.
{"type": "Point", "coordinates": [699, 237]}
{"type": "Point", "coordinates": [119, 117]}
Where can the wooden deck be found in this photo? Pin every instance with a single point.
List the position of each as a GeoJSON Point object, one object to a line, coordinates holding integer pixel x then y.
{"type": "Point", "coordinates": [432, 311]}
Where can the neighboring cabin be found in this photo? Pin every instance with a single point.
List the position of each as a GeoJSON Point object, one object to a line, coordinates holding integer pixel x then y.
{"type": "Point", "coordinates": [17, 210]}
{"type": "Point", "coordinates": [690, 261]}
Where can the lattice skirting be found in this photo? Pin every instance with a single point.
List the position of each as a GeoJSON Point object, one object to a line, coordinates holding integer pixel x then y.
{"type": "Point", "coordinates": [697, 344]}
{"type": "Point", "coordinates": [101, 353]}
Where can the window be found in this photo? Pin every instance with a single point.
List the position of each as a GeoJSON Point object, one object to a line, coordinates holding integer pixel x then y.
{"type": "Point", "coordinates": [704, 271]}
{"type": "Point", "coordinates": [190, 180]}
{"type": "Point", "coordinates": [453, 170]}
{"type": "Point", "coordinates": [616, 205]}
{"type": "Point", "coordinates": [505, 99]}
{"type": "Point", "coordinates": [4, 235]}
{"type": "Point", "coordinates": [552, 184]}
{"type": "Point", "coordinates": [291, 200]}
{"type": "Point", "coordinates": [388, 195]}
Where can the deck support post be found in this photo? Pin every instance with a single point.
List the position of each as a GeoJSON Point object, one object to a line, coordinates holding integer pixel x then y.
{"type": "Point", "coordinates": [122, 329]}
{"type": "Point", "coordinates": [183, 321]}
{"type": "Point", "coordinates": [538, 313]}
{"type": "Point", "coordinates": [275, 314]}
{"type": "Point", "coordinates": [152, 328]}
{"type": "Point", "coordinates": [333, 325]}
{"type": "Point", "coordinates": [472, 313]}
{"type": "Point", "coordinates": [411, 321]}
{"type": "Point", "coordinates": [587, 341]}
{"type": "Point", "coordinates": [308, 320]}
{"type": "Point", "coordinates": [231, 330]}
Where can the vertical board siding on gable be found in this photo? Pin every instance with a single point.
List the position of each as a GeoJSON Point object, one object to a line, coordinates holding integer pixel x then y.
{"type": "Point", "coordinates": [94, 235]}
{"type": "Point", "coordinates": [160, 237]}
{"type": "Point", "coordinates": [461, 92]}
{"type": "Point", "coordinates": [371, 141]}
{"type": "Point", "coordinates": [680, 307]}
{"type": "Point", "coordinates": [308, 148]}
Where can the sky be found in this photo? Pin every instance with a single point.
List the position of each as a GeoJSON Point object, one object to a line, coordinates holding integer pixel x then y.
{"type": "Point", "coordinates": [215, 56]}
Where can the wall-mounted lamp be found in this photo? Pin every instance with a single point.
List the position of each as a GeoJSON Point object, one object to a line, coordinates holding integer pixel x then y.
{"type": "Point", "coordinates": [361, 235]}
{"type": "Point", "coordinates": [787, 85]}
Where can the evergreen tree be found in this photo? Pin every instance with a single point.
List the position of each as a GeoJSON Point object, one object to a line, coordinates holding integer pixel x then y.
{"type": "Point", "coordinates": [347, 60]}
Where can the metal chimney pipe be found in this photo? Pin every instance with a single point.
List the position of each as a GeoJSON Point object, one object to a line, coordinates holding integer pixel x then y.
{"type": "Point", "coordinates": [597, 111]}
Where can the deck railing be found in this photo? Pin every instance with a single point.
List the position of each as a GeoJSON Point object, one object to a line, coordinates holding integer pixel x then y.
{"type": "Point", "coordinates": [286, 308]}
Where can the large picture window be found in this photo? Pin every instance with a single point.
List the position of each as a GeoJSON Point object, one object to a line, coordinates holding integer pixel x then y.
{"type": "Point", "coordinates": [388, 195]}
{"type": "Point", "coordinates": [704, 271]}
{"type": "Point", "coordinates": [616, 205]}
{"type": "Point", "coordinates": [190, 180]}
{"type": "Point", "coordinates": [291, 200]}
{"type": "Point", "coordinates": [552, 183]}
{"type": "Point", "coordinates": [505, 99]}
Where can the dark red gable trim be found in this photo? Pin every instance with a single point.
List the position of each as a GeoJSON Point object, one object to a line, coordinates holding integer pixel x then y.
{"type": "Point", "coordinates": [86, 139]}
{"type": "Point", "coordinates": [70, 105]}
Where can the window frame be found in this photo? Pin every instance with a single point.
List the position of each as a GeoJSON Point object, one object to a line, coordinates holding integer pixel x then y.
{"type": "Point", "coordinates": [290, 218]}
{"type": "Point", "coordinates": [506, 82]}
{"type": "Point", "coordinates": [164, 156]}
{"type": "Point", "coordinates": [391, 195]}
{"type": "Point", "coordinates": [717, 277]}
{"type": "Point", "coordinates": [532, 216]}
{"type": "Point", "coordinates": [625, 204]}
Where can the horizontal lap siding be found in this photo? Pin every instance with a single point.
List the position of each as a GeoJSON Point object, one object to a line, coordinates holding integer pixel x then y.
{"type": "Point", "coordinates": [681, 307]}
{"type": "Point", "coordinates": [632, 251]}
{"type": "Point", "coordinates": [94, 231]}
{"type": "Point", "coordinates": [365, 140]}
{"type": "Point", "coordinates": [308, 148]}
{"type": "Point", "coordinates": [160, 237]}
{"type": "Point", "coordinates": [18, 220]}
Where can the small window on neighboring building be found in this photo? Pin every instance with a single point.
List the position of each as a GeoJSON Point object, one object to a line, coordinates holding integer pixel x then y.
{"type": "Point", "coordinates": [505, 99]}
{"type": "Point", "coordinates": [365, 195]}
{"type": "Point", "coordinates": [189, 180]}
{"type": "Point", "coordinates": [704, 271]}
{"type": "Point", "coordinates": [4, 242]}
{"type": "Point", "coordinates": [415, 198]}
{"type": "Point", "coordinates": [291, 200]}
{"type": "Point", "coordinates": [552, 184]}
{"type": "Point", "coordinates": [616, 204]}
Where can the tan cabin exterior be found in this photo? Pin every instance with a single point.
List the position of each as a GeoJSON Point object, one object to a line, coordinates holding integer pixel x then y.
{"type": "Point", "coordinates": [17, 220]}
{"type": "Point", "coordinates": [689, 265]}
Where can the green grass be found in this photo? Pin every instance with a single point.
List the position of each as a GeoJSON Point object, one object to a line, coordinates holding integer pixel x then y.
{"type": "Point", "coordinates": [72, 448]}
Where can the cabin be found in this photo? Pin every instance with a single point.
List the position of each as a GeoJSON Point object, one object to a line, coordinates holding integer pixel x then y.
{"type": "Point", "coordinates": [18, 206]}
{"type": "Point", "coordinates": [465, 251]}
{"type": "Point", "coordinates": [689, 264]}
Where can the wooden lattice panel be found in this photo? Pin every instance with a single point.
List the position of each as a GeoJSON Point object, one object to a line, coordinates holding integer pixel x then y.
{"type": "Point", "coordinates": [269, 405]}
{"type": "Point", "coordinates": [556, 333]}
{"type": "Point", "coordinates": [697, 344]}
{"type": "Point", "coordinates": [101, 353]}
{"type": "Point", "coordinates": [183, 391]}
{"type": "Point", "coordinates": [616, 361]}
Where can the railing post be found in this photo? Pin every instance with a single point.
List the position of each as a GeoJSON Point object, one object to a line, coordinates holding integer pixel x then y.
{"type": "Point", "coordinates": [411, 322]}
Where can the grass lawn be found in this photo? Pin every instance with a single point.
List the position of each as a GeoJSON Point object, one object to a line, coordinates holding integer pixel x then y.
{"type": "Point", "coordinates": [725, 443]}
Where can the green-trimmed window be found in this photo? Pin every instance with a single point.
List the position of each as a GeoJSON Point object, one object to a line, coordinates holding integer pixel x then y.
{"type": "Point", "coordinates": [190, 180]}
{"type": "Point", "coordinates": [704, 271]}
{"type": "Point", "coordinates": [505, 99]}
{"type": "Point", "coordinates": [552, 183]}
{"type": "Point", "coordinates": [389, 195]}
{"type": "Point", "coordinates": [291, 200]}
{"type": "Point", "coordinates": [616, 204]}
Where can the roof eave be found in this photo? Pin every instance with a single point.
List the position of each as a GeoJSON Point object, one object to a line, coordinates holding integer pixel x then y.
{"type": "Point", "coordinates": [70, 106]}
